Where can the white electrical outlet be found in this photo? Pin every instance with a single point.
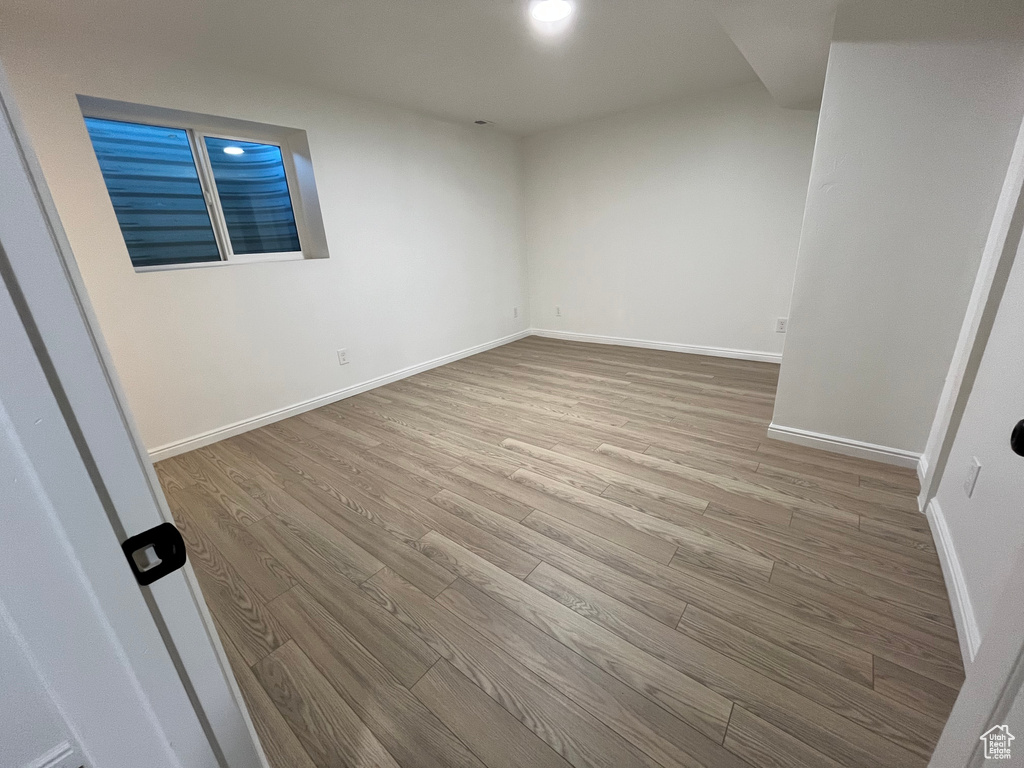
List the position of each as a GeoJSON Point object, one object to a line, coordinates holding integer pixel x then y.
{"type": "Point", "coordinates": [781, 325]}
{"type": "Point", "coordinates": [558, 311]}
{"type": "Point", "coordinates": [515, 312]}
{"type": "Point", "coordinates": [972, 476]}
{"type": "Point", "coordinates": [342, 357]}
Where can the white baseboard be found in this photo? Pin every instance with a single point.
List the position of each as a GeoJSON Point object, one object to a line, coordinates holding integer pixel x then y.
{"type": "Point", "coordinates": [959, 599]}
{"type": "Point", "coordinates": [922, 473]}
{"type": "Point", "coordinates": [844, 445]}
{"type": "Point", "coordinates": [222, 433]}
{"type": "Point", "coordinates": [738, 354]}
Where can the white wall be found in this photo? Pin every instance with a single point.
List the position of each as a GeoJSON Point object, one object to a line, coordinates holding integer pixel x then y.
{"type": "Point", "coordinates": [423, 221]}
{"type": "Point", "coordinates": [675, 224]}
{"type": "Point", "coordinates": [921, 107]}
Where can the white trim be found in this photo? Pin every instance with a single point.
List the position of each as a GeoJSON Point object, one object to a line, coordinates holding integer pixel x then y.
{"type": "Point", "coordinates": [668, 346]}
{"type": "Point", "coordinates": [922, 474]}
{"type": "Point", "coordinates": [222, 433]}
{"type": "Point", "coordinates": [845, 446]}
{"type": "Point", "coordinates": [62, 756]}
{"type": "Point", "coordinates": [956, 586]}
{"type": "Point", "coordinates": [262, 258]}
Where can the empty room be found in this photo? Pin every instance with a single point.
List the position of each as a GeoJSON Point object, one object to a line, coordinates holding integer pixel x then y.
{"type": "Point", "coordinates": [511, 383]}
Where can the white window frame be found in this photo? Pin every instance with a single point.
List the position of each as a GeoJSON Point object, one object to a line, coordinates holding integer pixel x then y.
{"type": "Point", "coordinates": [208, 182]}
{"type": "Point", "coordinates": [294, 155]}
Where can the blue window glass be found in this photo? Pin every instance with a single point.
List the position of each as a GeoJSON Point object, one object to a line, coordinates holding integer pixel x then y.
{"type": "Point", "coordinates": [254, 196]}
{"type": "Point", "coordinates": [153, 183]}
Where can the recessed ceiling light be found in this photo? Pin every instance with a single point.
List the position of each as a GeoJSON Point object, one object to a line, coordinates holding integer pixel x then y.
{"type": "Point", "coordinates": [234, 151]}
{"type": "Point", "coordinates": [550, 10]}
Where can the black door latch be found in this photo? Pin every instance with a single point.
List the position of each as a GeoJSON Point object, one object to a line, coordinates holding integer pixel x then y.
{"type": "Point", "coordinates": [154, 553]}
{"type": "Point", "coordinates": [1017, 438]}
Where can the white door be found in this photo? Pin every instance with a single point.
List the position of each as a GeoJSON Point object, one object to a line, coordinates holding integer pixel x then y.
{"type": "Point", "coordinates": [67, 597]}
{"type": "Point", "coordinates": [137, 673]}
{"type": "Point", "coordinates": [983, 521]}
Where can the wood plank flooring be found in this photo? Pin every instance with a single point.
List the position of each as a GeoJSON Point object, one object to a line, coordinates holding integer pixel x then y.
{"type": "Point", "coordinates": [560, 554]}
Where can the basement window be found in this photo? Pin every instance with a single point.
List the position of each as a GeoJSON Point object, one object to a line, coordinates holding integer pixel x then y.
{"type": "Point", "coordinates": [194, 190]}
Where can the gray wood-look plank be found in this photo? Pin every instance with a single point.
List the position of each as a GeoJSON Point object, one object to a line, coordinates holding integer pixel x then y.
{"type": "Point", "coordinates": [560, 554]}
{"type": "Point", "coordinates": [490, 731]}
{"type": "Point", "coordinates": [319, 717]}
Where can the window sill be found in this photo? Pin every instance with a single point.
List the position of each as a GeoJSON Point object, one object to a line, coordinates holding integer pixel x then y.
{"type": "Point", "coordinates": [262, 258]}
